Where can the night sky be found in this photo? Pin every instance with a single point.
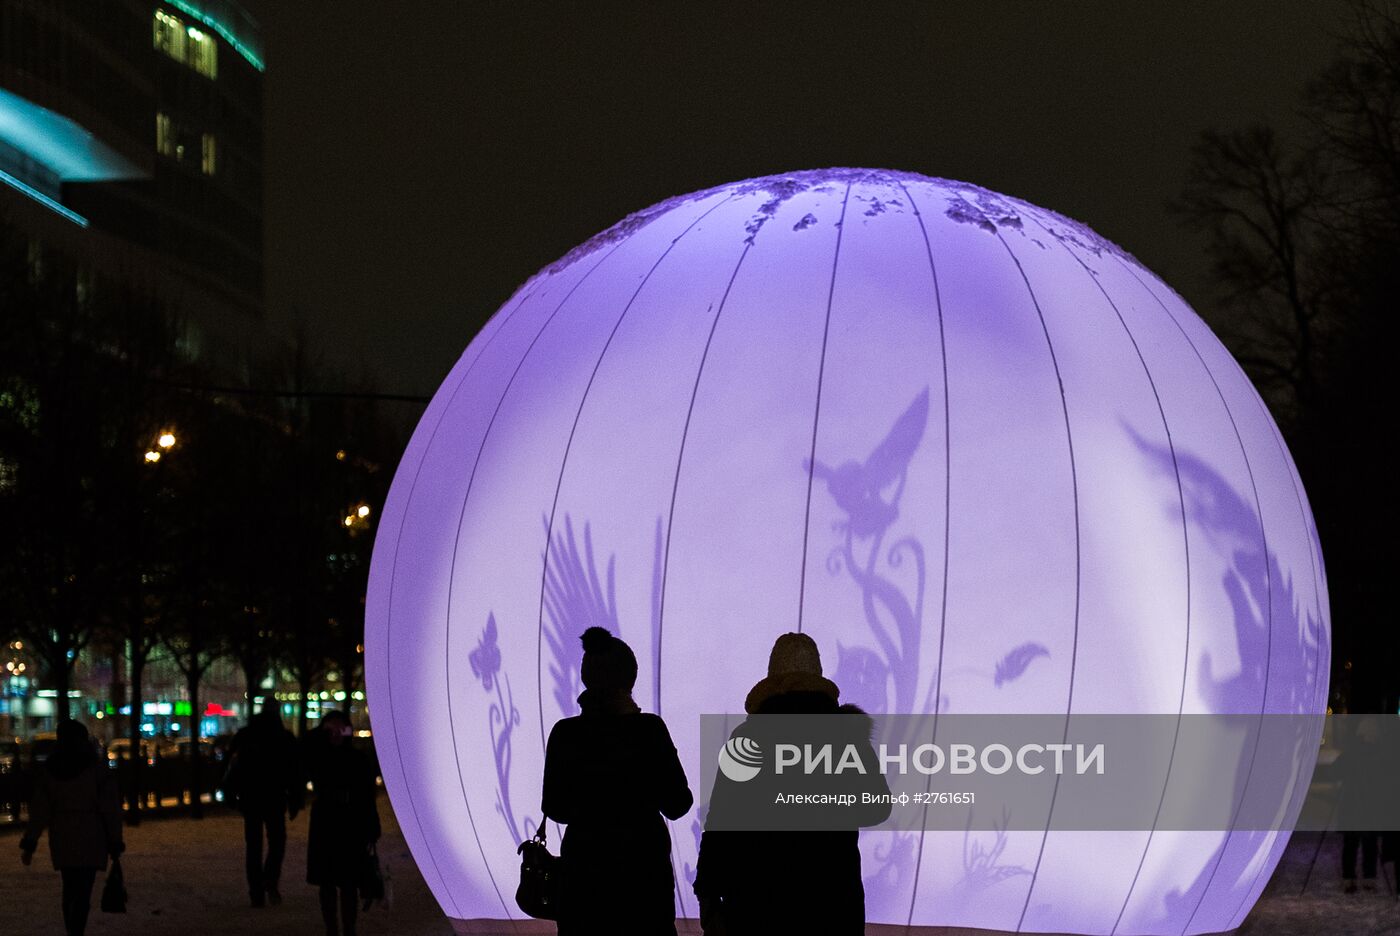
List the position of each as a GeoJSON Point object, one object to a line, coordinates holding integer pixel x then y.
{"type": "Point", "coordinates": [424, 159]}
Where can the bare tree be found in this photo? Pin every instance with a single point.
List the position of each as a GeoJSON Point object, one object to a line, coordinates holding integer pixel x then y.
{"type": "Point", "coordinates": [1354, 107]}
{"type": "Point", "coordinates": [1304, 242]}
{"type": "Point", "coordinates": [57, 451]}
{"type": "Point", "coordinates": [1262, 208]}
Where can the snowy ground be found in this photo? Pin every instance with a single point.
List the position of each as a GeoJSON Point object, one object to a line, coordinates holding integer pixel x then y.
{"type": "Point", "coordinates": [1305, 896]}
{"type": "Point", "coordinates": [186, 879]}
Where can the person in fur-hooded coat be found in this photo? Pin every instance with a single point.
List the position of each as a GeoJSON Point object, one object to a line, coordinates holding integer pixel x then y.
{"type": "Point", "coordinates": [760, 882]}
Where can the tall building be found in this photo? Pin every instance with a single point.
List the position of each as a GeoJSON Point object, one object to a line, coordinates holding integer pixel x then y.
{"type": "Point", "coordinates": [131, 148]}
{"type": "Point", "coordinates": [131, 141]}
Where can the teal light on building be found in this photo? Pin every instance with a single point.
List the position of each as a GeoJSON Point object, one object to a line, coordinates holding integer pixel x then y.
{"type": "Point", "coordinates": [41, 149]}
{"type": "Point", "coordinates": [230, 22]}
{"type": "Point", "coordinates": [131, 142]}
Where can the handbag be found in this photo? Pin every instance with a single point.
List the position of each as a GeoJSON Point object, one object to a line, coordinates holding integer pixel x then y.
{"type": "Point", "coordinates": [372, 884]}
{"type": "Point", "coordinates": [541, 878]}
{"type": "Point", "coordinates": [114, 889]}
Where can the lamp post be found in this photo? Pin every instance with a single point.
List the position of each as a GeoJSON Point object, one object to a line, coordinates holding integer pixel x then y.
{"type": "Point", "coordinates": [348, 644]}
{"type": "Point", "coordinates": [139, 642]}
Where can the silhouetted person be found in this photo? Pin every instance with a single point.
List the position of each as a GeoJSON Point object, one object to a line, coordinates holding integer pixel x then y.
{"type": "Point", "coordinates": [266, 783]}
{"type": "Point", "coordinates": [75, 798]}
{"type": "Point", "coordinates": [1363, 785]}
{"type": "Point", "coordinates": [344, 822]}
{"type": "Point", "coordinates": [610, 774]}
{"type": "Point", "coordinates": [763, 882]}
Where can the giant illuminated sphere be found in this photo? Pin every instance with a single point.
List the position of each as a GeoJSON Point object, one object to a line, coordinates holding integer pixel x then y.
{"type": "Point", "coordinates": [986, 458]}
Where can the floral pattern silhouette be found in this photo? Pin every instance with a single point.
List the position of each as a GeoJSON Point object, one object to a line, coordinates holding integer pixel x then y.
{"type": "Point", "coordinates": [869, 493]}
{"type": "Point", "coordinates": [575, 597]}
{"type": "Point", "coordinates": [504, 717]}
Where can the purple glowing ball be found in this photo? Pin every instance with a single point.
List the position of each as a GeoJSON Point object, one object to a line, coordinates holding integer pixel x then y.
{"type": "Point", "coordinates": [983, 456]}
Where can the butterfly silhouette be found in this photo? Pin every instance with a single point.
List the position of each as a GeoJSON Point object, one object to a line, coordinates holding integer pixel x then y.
{"type": "Point", "coordinates": [486, 658]}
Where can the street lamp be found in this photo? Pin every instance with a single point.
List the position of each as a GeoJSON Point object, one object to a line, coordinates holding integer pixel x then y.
{"type": "Point", "coordinates": [358, 516]}
{"type": "Point", "coordinates": [165, 441]}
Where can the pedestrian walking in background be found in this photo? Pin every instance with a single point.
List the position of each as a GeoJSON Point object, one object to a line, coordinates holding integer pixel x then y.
{"type": "Point", "coordinates": [344, 822]}
{"type": "Point", "coordinates": [1364, 783]}
{"type": "Point", "coordinates": [266, 782]}
{"type": "Point", "coordinates": [752, 883]}
{"type": "Point", "coordinates": [610, 774]}
{"type": "Point", "coordinates": [76, 800]}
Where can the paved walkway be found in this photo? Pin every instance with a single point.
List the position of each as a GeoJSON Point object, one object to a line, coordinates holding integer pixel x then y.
{"type": "Point", "coordinates": [1305, 896]}
{"type": "Point", "coordinates": [186, 879]}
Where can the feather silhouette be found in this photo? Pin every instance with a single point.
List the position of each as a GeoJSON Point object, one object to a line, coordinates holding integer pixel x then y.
{"type": "Point", "coordinates": [1011, 666]}
{"type": "Point", "coordinates": [575, 599]}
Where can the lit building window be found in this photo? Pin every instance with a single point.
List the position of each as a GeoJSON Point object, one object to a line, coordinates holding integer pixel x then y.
{"type": "Point", "coordinates": [82, 287]}
{"type": "Point", "coordinates": [165, 135]}
{"type": "Point", "coordinates": [208, 154]}
{"type": "Point", "coordinates": [170, 36]}
{"type": "Point", "coordinates": [202, 53]}
{"type": "Point", "coordinates": [35, 257]}
{"type": "Point", "coordinates": [186, 44]}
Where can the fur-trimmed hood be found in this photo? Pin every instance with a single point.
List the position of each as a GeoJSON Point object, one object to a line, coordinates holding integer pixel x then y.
{"type": "Point", "coordinates": [866, 723]}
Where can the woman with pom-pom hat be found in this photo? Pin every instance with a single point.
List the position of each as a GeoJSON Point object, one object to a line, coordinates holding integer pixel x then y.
{"type": "Point", "coordinates": [610, 774]}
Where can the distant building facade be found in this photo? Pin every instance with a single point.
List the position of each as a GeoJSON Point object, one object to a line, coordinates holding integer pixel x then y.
{"type": "Point", "coordinates": [131, 146]}
{"type": "Point", "coordinates": [131, 141]}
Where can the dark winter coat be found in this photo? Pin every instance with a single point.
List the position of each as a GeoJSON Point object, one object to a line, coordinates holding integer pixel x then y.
{"type": "Point", "coordinates": [265, 773]}
{"type": "Point", "coordinates": [81, 810]}
{"type": "Point", "coordinates": [610, 776]}
{"type": "Point", "coordinates": [1366, 769]}
{"type": "Point", "coordinates": [344, 816]}
{"type": "Point", "coordinates": [796, 881]}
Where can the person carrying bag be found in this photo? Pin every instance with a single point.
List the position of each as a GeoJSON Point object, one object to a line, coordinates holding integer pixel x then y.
{"type": "Point", "coordinates": [611, 774]}
{"type": "Point", "coordinates": [114, 889]}
{"type": "Point", "coordinates": [76, 802]}
{"type": "Point", "coordinates": [541, 881]}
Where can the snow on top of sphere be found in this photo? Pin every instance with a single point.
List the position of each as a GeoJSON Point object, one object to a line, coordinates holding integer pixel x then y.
{"type": "Point", "coordinates": [965, 202]}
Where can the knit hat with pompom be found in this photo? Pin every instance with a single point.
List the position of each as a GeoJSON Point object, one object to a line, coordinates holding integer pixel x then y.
{"type": "Point", "coordinates": [609, 665]}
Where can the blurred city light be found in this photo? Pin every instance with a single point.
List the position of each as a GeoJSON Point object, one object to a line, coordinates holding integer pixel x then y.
{"type": "Point", "coordinates": [358, 516]}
